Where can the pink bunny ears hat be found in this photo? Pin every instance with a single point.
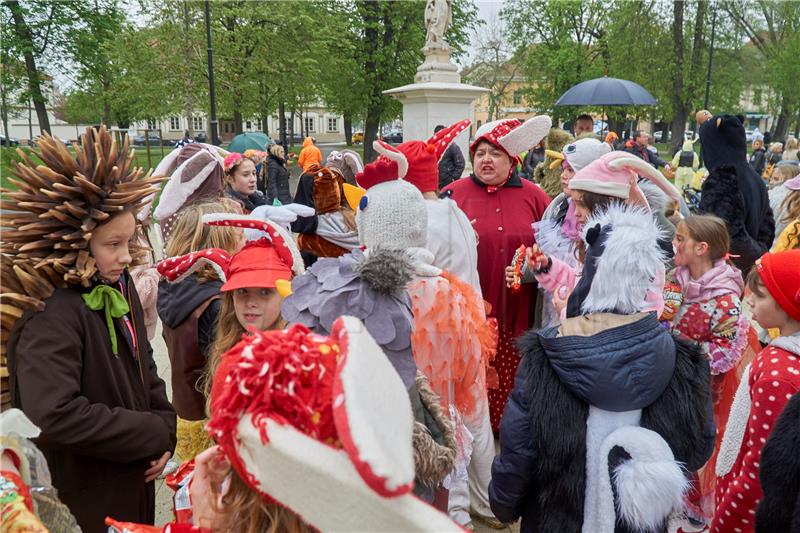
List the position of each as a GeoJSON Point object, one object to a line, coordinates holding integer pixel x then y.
{"type": "Point", "coordinates": [615, 174]}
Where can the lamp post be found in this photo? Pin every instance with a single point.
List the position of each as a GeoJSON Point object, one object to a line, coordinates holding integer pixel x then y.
{"type": "Point", "coordinates": [212, 96]}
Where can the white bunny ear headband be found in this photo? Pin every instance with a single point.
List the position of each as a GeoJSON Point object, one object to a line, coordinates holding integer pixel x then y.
{"type": "Point", "coordinates": [322, 426]}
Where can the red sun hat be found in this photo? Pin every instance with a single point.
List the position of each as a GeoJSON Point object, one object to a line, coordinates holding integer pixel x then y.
{"type": "Point", "coordinates": [256, 265]}
{"type": "Point", "coordinates": [780, 273]}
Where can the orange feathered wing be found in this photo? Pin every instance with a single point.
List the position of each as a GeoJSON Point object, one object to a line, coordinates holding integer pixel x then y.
{"type": "Point", "coordinates": [452, 340]}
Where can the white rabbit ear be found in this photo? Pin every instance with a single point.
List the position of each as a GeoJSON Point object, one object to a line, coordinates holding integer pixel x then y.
{"type": "Point", "coordinates": [373, 416]}
{"type": "Point", "coordinates": [645, 169]}
{"type": "Point", "coordinates": [526, 136]}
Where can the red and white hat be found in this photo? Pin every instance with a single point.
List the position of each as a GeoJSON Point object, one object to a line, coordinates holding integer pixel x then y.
{"type": "Point", "coordinates": [322, 426]}
{"type": "Point", "coordinates": [616, 174]}
{"type": "Point", "coordinates": [780, 273]}
{"type": "Point", "coordinates": [263, 262]}
{"type": "Point", "coordinates": [511, 135]}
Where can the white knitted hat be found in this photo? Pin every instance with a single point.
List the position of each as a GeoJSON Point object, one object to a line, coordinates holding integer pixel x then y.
{"type": "Point", "coordinates": [392, 214]}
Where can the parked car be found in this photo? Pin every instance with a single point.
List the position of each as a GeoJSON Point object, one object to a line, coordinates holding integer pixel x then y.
{"type": "Point", "coordinates": [291, 139]}
{"type": "Point", "coordinates": [201, 137]}
{"type": "Point", "coordinates": [394, 137]}
{"type": "Point", "coordinates": [153, 139]}
{"type": "Point", "coordinates": [65, 143]}
{"type": "Point", "coordinates": [11, 140]}
{"type": "Point", "coordinates": [358, 137]}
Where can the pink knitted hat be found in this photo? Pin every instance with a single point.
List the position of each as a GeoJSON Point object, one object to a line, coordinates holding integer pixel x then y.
{"type": "Point", "coordinates": [615, 174]}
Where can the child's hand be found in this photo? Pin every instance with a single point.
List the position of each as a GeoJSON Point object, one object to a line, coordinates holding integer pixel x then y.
{"type": "Point", "coordinates": [560, 298]}
{"type": "Point", "coordinates": [156, 467]}
{"type": "Point", "coordinates": [536, 259]}
{"type": "Point", "coordinates": [211, 469]}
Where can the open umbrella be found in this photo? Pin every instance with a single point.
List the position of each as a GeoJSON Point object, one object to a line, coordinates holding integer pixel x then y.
{"type": "Point", "coordinates": [249, 141]}
{"type": "Point", "coordinates": [606, 91]}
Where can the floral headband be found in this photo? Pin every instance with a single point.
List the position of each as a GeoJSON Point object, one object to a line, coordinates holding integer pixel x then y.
{"type": "Point", "coordinates": [231, 160]}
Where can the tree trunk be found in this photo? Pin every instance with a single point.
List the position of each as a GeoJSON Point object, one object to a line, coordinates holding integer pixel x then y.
{"type": "Point", "coordinates": [265, 123]}
{"type": "Point", "coordinates": [370, 133]}
{"type": "Point", "coordinates": [797, 127]}
{"type": "Point", "coordinates": [237, 122]}
{"type": "Point", "coordinates": [679, 119]}
{"type": "Point", "coordinates": [106, 104]}
{"type": "Point", "coordinates": [781, 127]}
{"type": "Point", "coordinates": [4, 113]}
{"type": "Point", "coordinates": [282, 125]}
{"type": "Point", "coordinates": [23, 33]}
{"type": "Point", "coordinates": [303, 131]}
{"type": "Point", "coordinates": [348, 129]}
{"type": "Point", "coordinates": [188, 103]}
{"type": "Point", "coordinates": [291, 128]}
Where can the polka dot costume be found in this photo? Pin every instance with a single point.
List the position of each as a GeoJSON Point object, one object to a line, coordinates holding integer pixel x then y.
{"type": "Point", "coordinates": [774, 378]}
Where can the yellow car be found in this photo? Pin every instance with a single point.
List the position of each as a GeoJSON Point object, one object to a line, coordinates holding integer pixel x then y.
{"type": "Point", "coordinates": [358, 137]}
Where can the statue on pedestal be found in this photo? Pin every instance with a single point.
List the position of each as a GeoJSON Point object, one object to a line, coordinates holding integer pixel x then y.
{"type": "Point", "coordinates": [438, 16]}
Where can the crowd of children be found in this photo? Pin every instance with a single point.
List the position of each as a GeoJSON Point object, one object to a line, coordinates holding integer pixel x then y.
{"type": "Point", "coordinates": [352, 382]}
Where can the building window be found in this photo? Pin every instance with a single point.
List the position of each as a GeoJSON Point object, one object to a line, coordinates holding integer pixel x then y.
{"type": "Point", "coordinates": [333, 124]}
{"type": "Point", "coordinates": [517, 98]}
{"type": "Point", "coordinates": [152, 124]}
{"type": "Point", "coordinates": [310, 124]}
{"type": "Point", "coordinates": [174, 123]}
{"type": "Point", "coordinates": [248, 125]}
{"type": "Point", "coordinates": [197, 123]}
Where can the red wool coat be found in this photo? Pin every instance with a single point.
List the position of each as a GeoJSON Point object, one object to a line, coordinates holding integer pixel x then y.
{"type": "Point", "coordinates": [503, 221]}
{"type": "Point", "coordinates": [774, 378]}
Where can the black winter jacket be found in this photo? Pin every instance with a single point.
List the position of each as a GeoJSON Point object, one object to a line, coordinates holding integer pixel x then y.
{"type": "Point", "coordinates": [540, 473]}
{"type": "Point", "coordinates": [779, 510]}
{"type": "Point", "coordinates": [758, 160]}
{"type": "Point", "coordinates": [277, 181]}
{"type": "Point", "coordinates": [734, 192]}
{"type": "Point", "coordinates": [451, 166]}
{"type": "Point", "coordinates": [176, 301]}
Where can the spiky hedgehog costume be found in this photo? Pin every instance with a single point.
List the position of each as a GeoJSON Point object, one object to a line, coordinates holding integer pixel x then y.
{"type": "Point", "coordinates": [48, 220]}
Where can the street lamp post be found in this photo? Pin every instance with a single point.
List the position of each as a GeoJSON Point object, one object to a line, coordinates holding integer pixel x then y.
{"type": "Point", "coordinates": [212, 96]}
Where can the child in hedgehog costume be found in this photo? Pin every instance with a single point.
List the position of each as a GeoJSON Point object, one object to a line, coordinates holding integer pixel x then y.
{"type": "Point", "coordinates": [607, 408]}
{"type": "Point", "coordinates": [81, 367]}
{"type": "Point", "coordinates": [371, 285]}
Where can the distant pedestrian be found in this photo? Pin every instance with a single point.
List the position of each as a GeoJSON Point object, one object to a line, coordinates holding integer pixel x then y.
{"type": "Point", "coordinates": [582, 125]}
{"type": "Point", "coordinates": [309, 155]}
{"type": "Point", "coordinates": [278, 176]}
{"type": "Point", "coordinates": [637, 145]}
{"type": "Point", "coordinates": [451, 166]}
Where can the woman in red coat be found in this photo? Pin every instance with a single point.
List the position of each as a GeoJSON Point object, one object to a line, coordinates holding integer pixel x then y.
{"type": "Point", "coordinates": [502, 208]}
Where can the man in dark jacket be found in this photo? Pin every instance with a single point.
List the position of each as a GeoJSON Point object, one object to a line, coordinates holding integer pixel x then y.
{"type": "Point", "coordinates": [734, 192]}
{"type": "Point", "coordinates": [637, 146]}
{"type": "Point", "coordinates": [451, 166]}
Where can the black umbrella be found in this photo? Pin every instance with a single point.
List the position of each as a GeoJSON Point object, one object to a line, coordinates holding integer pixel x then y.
{"type": "Point", "coordinates": [606, 91]}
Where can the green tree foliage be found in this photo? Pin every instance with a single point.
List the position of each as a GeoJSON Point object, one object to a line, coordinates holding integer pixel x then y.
{"type": "Point", "coordinates": [564, 42]}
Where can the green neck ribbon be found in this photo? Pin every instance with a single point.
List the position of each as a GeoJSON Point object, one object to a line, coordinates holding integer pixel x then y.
{"type": "Point", "coordinates": [112, 302]}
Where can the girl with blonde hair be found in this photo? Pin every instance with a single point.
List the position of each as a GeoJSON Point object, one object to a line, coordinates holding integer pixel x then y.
{"type": "Point", "coordinates": [189, 311]}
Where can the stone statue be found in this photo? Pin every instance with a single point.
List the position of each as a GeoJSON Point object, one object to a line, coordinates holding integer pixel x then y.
{"type": "Point", "coordinates": [438, 16]}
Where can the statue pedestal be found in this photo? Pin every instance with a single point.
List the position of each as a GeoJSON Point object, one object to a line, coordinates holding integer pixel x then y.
{"type": "Point", "coordinates": [437, 97]}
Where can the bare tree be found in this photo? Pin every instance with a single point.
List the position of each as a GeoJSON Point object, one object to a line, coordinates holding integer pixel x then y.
{"type": "Point", "coordinates": [495, 66]}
